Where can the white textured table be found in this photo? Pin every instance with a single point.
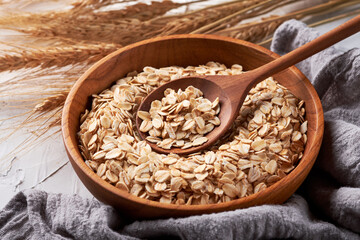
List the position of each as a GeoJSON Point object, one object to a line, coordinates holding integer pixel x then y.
{"type": "Point", "coordinates": [46, 167]}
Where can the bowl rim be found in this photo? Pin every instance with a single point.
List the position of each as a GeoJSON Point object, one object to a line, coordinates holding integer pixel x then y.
{"type": "Point", "coordinates": [76, 158]}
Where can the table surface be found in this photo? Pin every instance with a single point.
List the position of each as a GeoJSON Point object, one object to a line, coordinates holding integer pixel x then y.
{"type": "Point", "coordinates": [46, 166]}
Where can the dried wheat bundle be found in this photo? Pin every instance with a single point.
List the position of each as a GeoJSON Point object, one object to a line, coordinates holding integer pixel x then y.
{"type": "Point", "coordinates": [128, 30]}
{"type": "Point", "coordinates": [85, 24]}
{"type": "Point", "coordinates": [82, 12]}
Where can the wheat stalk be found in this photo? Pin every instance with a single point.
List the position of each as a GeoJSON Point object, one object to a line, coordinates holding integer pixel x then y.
{"type": "Point", "coordinates": [341, 16]}
{"type": "Point", "coordinates": [235, 17]}
{"type": "Point", "coordinates": [191, 22]}
{"type": "Point", "coordinates": [257, 31]}
{"type": "Point", "coordinates": [321, 8]}
{"type": "Point", "coordinates": [119, 31]}
{"type": "Point", "coordinates": [55, 56]}
{"type": "Point", "coordinates": [51, 103]}
{"type": "Point", "coordinates": [321, 22]}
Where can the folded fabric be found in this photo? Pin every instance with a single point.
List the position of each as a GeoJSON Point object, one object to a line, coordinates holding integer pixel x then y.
{"type": "Point", "coordinates": [327, 206]}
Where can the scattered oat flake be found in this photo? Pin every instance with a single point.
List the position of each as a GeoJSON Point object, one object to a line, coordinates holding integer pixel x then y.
{"type": "Point", "coordinates": [199, 141]}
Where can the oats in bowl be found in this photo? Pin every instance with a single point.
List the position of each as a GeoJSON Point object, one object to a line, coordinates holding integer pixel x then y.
{"type": "Point", "coordinates": [264, 144]}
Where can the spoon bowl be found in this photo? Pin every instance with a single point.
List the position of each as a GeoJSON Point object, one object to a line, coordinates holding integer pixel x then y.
{"type": "Point", "coordinates": [210, 89]}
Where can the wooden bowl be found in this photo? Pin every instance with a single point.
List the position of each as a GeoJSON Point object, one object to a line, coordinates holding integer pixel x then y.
{"type": "Point", "coordinates": [185, 50]}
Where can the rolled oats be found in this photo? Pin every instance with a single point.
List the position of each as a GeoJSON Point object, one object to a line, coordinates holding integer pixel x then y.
{"type": "Point", "coordinates": [264, 144]}
{"type": "Point", "coordinates": [180, 119]}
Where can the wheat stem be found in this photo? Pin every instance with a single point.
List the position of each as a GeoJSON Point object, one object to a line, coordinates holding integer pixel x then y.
{"type": "Point", "coordinates": [321, 22]}
{"type": "Point", "coordinates": [341, 16]}
{"type": "Point", "coordinates": [296, 14]}
{"type": "Point", "coordinates": [55, 56]}
{"type": "Point", "coordinates": [230, 17]}
{"type": "Point", "coordinates": [261, 11]}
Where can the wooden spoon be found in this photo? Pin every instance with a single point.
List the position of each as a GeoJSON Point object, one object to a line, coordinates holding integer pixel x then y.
{"type": "Point", "coordinates": [232, 90]}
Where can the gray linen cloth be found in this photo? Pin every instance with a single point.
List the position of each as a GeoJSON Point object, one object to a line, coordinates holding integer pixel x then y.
{"type": "Point", "coordinates": [327, 206]}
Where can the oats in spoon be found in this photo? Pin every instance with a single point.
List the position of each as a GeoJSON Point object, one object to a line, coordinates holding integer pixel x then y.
{"type": "Point", "coordinates": [180, 119]}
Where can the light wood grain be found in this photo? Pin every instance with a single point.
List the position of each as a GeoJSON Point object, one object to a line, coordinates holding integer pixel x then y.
{"type": "Point", "coordinates": [185, 50]}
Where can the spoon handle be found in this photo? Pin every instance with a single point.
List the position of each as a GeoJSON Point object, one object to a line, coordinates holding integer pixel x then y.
{"type": "Point", "coordinates": [324, 41]}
